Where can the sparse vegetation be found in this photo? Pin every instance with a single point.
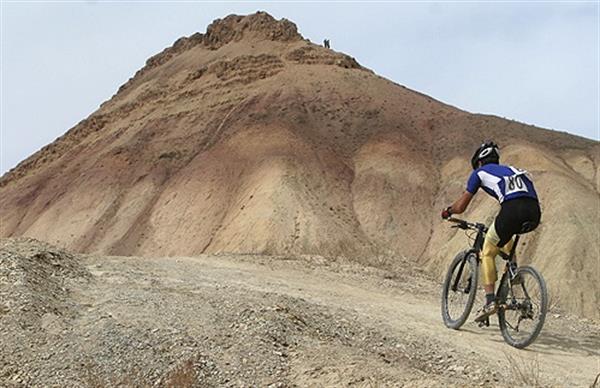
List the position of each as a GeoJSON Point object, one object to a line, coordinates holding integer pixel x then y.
{"type": "Point", "coordinates": [553, 302]}
{"type": "Point", "coordinates": [184, 375]}
{"type": "Point", "coordinates": [595, 383]}
{"type": "Point", "coordinates": [524, 372]}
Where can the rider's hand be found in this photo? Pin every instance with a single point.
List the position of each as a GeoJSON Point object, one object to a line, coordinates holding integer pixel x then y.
{"type": "Point", "coordinates": [447, 212]}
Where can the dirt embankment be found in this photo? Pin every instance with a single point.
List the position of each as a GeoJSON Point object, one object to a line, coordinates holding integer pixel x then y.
{"type": "Point", "coordinates": [254, 320]}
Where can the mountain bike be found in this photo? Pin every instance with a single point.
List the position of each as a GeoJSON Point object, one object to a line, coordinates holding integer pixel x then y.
{"type": "Point", "coordinates": [521, 293]}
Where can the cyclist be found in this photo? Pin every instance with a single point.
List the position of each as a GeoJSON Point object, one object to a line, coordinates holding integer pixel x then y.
{"type": "Point", "coordinates": [519, 211]}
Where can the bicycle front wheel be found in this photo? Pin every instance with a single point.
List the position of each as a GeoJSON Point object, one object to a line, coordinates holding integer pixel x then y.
{"type": "Point", "coordinates": [458, 291]}
{"type": "Point", "coordinates": [523, 307]}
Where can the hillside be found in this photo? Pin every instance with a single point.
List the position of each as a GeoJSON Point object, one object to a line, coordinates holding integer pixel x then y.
{"type": "Point", "coordinates": [250, 139]}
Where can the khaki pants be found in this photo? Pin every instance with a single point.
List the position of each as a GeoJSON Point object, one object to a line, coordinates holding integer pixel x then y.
{"type": "Point", "coordinates": [489, 252]}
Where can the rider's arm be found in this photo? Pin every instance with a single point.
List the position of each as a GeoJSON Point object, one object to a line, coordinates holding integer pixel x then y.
{"type": "Point", "coordinates": [461, 204]}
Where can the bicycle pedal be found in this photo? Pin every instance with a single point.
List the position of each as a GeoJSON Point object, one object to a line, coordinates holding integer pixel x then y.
{"type": "Point", "coordinates": [485, 322]}
{"type": "Point", "coordinates": [485, 316]}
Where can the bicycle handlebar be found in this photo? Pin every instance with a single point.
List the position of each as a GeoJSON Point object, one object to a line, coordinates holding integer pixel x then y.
{"type": "Point", "coordinates": [463, 224]}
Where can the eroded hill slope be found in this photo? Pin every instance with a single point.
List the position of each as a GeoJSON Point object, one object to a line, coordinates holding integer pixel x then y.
{"type": "Point", "coordinates": [249, 138]}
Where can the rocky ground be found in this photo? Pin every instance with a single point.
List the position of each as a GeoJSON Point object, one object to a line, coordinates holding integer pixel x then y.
{"type": "Point", "coordinates": [244, 320]}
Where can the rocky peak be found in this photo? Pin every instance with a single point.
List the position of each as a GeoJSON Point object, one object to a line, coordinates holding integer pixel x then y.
{"type": "Point", "coordinates": [260, 25]}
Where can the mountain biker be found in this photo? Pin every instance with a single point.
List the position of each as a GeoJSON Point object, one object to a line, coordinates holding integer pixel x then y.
{"type": "Point", "coordinates": [519, 211]}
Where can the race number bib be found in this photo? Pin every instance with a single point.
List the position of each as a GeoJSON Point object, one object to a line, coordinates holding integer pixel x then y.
{"type": "Point", "coordinates": [514, 183]}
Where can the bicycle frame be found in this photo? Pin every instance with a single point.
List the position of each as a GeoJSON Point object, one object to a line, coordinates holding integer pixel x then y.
{"type": "Point", "coordinates": [510, 271]}
{"type": "Point", "coordinates": [481, 229]}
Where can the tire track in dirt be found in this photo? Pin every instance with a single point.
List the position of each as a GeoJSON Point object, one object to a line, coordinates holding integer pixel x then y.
{"type": "Point", "coordinates": [566, 353]}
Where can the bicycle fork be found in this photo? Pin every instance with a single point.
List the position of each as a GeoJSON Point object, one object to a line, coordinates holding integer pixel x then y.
{"type": "Point", "coordinates": [459, 275]}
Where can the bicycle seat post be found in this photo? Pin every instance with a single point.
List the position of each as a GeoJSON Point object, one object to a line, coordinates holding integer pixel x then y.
{"type": "Point", "coordinates": [514, 247]}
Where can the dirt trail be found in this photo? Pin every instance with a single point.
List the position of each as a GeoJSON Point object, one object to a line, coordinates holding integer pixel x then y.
{"type": "Point", "coordinates": [247, 320]}
{"type": "Point", "coordinates": [567, 352]}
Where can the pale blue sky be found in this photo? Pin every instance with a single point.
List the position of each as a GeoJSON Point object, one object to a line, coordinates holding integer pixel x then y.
{"type": "Point", "coordinates": [535, 62]}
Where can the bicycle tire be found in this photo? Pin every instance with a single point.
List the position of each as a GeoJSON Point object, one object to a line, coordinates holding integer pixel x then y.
{"type": "Point", "coordinates": [471, 264]}
{"type": "Point", "coordinates": [543, 308]}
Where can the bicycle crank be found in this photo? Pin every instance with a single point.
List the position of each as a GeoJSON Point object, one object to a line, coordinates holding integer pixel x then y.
{"type": "Point", "coordinates": [484, 323]}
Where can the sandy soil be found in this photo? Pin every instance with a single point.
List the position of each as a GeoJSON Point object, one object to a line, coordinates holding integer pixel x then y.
{"type": "Point", "coordinates": [242, 320]}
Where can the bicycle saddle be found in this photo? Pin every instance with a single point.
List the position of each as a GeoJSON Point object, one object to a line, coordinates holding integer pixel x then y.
{"type": "Point", "coordinates": [527, 226]}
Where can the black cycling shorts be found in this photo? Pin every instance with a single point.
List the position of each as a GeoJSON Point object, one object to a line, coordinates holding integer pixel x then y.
{"type": "Point", "coordinates": [513, 215]}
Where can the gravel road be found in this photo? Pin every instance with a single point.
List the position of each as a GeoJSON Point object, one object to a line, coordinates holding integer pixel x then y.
{"type": "Point", "coordinates": [246, 320]}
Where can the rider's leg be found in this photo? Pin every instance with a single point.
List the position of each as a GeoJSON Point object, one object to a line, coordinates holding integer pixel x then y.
{"type": "Point", "coordinates": [508, 246]}
{"type": "Point", "coordinates": [488, 264]}
{"type": "Point", "coordinates": [488, 271]}
{"type": "Point", "coordinates": [488, 267]}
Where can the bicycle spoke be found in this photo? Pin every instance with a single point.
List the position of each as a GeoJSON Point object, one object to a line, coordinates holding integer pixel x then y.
{"type": "Point", "coordinates": [524, 290]}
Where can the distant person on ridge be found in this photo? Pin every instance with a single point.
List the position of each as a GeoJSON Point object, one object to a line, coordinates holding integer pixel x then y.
{"type": "Point", "coordinates": [326, 43]}
{"type": "Point", "coordinates": [519, 211]}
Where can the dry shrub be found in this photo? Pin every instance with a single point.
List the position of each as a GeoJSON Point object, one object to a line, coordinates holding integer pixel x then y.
{"type": "Point", "coordinates": [381, 258]}
{"type": "Point", "coordinates": [595, 383]}
{"type": "Point", "coordinates": [184, 375]}
{"type": "Point", "coordinates": [524, 372]}
{"type": "Point", "coordinates": [553, 302]}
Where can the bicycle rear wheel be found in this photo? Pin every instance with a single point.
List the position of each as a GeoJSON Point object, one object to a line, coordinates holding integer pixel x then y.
{"type": "Point", "coordinates": [524, 304]}
{"type": "Point", "coordinates": [458, 291]}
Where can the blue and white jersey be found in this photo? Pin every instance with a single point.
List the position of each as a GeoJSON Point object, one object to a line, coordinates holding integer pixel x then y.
{"type": "Point", "coordinates": [501, 182]}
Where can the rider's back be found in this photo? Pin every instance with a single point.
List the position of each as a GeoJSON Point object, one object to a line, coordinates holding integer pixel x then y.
{"type": "Point", "coordinates": [502, 182]}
